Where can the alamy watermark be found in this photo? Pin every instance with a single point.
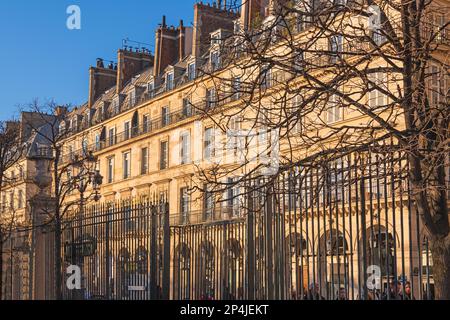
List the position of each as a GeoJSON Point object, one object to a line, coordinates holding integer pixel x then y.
{"type": "Point", "coordinates": [74, 19]}
{"type": "Point", "coordinates": [254, 147]}
{"type": "Point", "coordinates": [74, 278]}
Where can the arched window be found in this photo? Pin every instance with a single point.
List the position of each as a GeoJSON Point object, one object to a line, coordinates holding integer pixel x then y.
{"type": "Point", "coordinates": [141, 260]}
{"type": "Point", "coordinates": [208, 268]}
{"type": "Point", "coordinates": [333, 264]}
{"type": "Point", "coordinates": [233, 289]}
{"type": "Point", "coordinates": [297, 263]}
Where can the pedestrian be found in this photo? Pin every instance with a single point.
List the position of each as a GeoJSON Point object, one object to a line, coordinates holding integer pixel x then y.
{"type": "Point", "coordinates": [405, 293]}
{"type": "Point", "coordinates": [313, 293]}
{"type": "Point", "coordinates": [393, 291]}
{"type": "Point", "coordinates": [341, 294]}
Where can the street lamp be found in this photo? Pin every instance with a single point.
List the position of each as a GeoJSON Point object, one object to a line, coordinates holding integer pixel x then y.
{"type": "Point", "coordinates": [88, 174]}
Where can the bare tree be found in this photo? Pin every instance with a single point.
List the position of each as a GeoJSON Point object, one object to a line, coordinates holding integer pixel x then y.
{"type": "Point", "coordinates": [10, 155]}
{"type": "Point", "coordinates": [67, 173]}
{"type": "Point", "coordinates": [380, 65]}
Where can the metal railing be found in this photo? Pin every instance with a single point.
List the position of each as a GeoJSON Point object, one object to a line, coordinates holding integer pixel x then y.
{"type": "Point", "coordinates": [295, 238]}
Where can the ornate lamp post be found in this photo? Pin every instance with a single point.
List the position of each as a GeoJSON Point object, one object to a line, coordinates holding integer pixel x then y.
{"type": "Point", "coordinates": [88, 175]}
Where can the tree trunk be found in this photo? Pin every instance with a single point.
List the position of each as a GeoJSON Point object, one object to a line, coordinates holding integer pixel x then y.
{"type": "Point", "coordinates": [440, 250]}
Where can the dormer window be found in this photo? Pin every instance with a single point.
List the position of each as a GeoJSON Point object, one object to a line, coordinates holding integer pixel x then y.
{"type": "Point", "coordinates": [151, 89]}
{"type": "Point", "coordinates": [116, 105]}
{"type": "Point", "coordinates": [237, 26]}
{"type": "Point", "coordinates": [215, 39]}
{"type": "Point", "coordinates": [266, 77]}
{"type": "Point", "coordinates": [132, 97]}
{"type": "Point", "coordinates": [88, 117]}
{"type": "Point", "coordinates": [104, 110]}
{"type": "Point", "coordinates": [191, 71]}
{"type": "Point", "coordinates": [169, 81]}
{"type": "Point", "coordinates": [62, 127]}
{"type": "Point", "coordinates": [215, 60]}
{"type": "Point", "coordinates": [75, 123]}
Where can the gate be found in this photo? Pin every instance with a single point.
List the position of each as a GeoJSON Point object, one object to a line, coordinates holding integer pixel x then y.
{"type": "Point", "coordinates": [121, 249]}
{"type": "Point", "coordinates": [341, 228]}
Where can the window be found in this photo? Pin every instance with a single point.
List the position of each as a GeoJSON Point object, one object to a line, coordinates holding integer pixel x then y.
{"type": "Point", "coordinates": [215, 60]}
{"type": "Point", "coordinates": [165, 117]}
{"type": "Point", "coordinates": [375, 24]}
{"type": "Point", "coordinates": [144, 160]}
{"type": "Point", "coordinates": [112, 136]}
{"type": "Point", "coordinates": [376, 97]}
{"type": "Point", "coordinates": [126, 165]}
{"type": "Point", "coordinates": [169, 81]}
{"type": "Point", "coordinates": [20, 199]}
{"type": "Point", "coordinates": [266, 77]}
{"type": "Point", "coordinates": [234, 135]}
{"type": "Point", "coordinates": [110, 175]}
{"type": "Point", "coordinates": [84, 147]}
{"type": "Point", "coordinates": [438, 22]}
{"type": "Point", "coordinates": [185, 146]}
{"type": "Point", "coordinates": [146, 123]}
{"type": "Point", "coordinates": [236, 88]}
{"type": "Point", "coordinates": [88, 117]}
{"type": "Point", "coordinates": [211, 98]}
{"type": "Point", "coordinates": [21, 173]}
{"type": "Point", "coordinates": [191, 71]}
{"type": "Point", "coordinates": [187, 107]}
{"type": "Point", "coordinates": [237, 26]}
{"type": "Point", "coordinates": [208, 148]}
{"type": "Point", "coordinates": [233, 196]}
{"type": "Point", "coordinates": [209, 202]}
{"type": "Point", "coordinates": [11, 200]}
{"type": "Point", "coordinates": [132, 97]}
{"type": "Point", "coordinates": [296, 105]}
{"type": "Point", "coordinates": [151, 89]}
{"type": "Point", "coordinates": [164, 155]}
{"type": "Point", "coordinates": [336, 48]}
{"type": "Point", "coordinates": [184, 205]}
{"type": "Point", "coordinates": [116, 105]}
{"type": "Point", "coordinates": [127, 130]}
{"type": "Point", "coordinates": [71, 153]}
{"type": "Point", "coordinates": [436, 80]}
{"type": "Point", "coordinates": [97, 141]}
{"type": "Point", "coordinates": [334, 110]}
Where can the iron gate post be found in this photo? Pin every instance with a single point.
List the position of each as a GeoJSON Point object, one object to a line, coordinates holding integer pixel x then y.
{"type": "Point", "coordinates": [166, 264]}
{"type": "Point", "coordinates": [269, 241]}
{"type": "Point", "coordinates": [108, 266]}
{"type": "Point", "coordinates": [251, 272]}
{"type": "Point", "coordinates": [153, 255]}
{"type": "Point", "coordinates": [364, 242]}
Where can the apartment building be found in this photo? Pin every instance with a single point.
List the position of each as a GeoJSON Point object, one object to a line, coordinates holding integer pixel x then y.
{"type": "Point", "coordinates": [146, 123]}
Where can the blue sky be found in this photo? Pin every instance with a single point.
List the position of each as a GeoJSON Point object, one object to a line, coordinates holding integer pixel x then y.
{"type": "Point", "coordinates": [41, 58]}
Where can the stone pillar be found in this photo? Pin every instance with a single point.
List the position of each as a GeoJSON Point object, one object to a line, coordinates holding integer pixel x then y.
{"type": "Point", "coordinates": [41, 269]}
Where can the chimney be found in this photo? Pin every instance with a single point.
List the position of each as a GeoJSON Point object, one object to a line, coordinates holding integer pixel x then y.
{"type": "Point", "coordinates": [60, 111]}
{"type": "Point", "coordinates": [100, 80]}
{"type": "Point", "coordinates": [252, 9]}
{"type": "Point", "coordinates": [208, 19]}
{"type": "Point", "coordinates": [171, 45]}
{"type": "Point", "coordinates": [181, 41]}
{"type": "Point", "coordinates": [130, 64]}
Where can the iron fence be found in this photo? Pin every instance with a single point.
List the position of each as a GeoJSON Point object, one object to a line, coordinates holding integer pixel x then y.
{"type": "Point", "coordinates": [345, 228]}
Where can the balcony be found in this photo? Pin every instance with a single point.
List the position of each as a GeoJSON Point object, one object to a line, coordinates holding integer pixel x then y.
{"type": "Point", "coordinates": [223, 213]}
{"type": "Point", "coordinates": [149, 127]}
